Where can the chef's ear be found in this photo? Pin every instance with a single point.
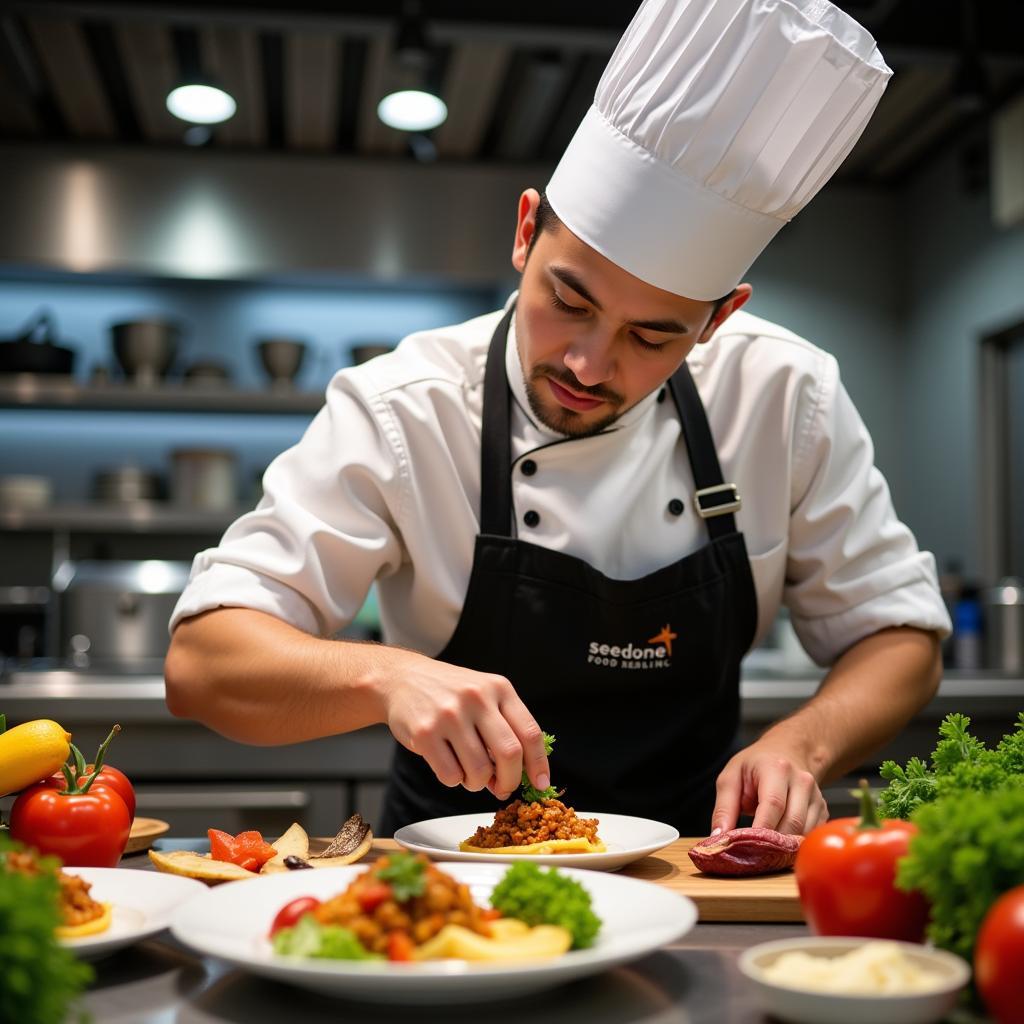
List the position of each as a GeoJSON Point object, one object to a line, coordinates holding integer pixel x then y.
{"type": "Point", "coordinates": [525, 227]}
{"type": "Point", "coordinates": [725, 309]}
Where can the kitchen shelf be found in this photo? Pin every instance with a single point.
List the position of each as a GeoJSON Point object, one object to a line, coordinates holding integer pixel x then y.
{"type": "Point", "coordinates": [134, 517]}
{"type": "Point", "coordinates": [40, 391]}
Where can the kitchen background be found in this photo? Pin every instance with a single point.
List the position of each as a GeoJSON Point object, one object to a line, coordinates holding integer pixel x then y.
{"type": "Point", "coordinates": [305, 218]}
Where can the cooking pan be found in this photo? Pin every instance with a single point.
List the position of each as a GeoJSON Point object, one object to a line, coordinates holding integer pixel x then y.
{"type": "Point", "coordinates": [35, 351]}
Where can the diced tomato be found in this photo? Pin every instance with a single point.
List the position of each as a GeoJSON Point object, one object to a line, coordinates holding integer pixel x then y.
{"type": "Point", "coordinates": [248, 850]}
{"type": "Point", "coordinates": [222, 845]}
{"type": "Point", "coordinates": [373, 895]}
{"type": "Point", "coordinates": [400, 946]}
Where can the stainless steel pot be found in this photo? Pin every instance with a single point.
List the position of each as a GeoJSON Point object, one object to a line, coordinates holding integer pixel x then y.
{"type": "Point", "coordinates": [127, 484]}
{"type": "Point", "coordinates": [115, 614]}
{"type": "Point", "coordinates": [1004, 626]}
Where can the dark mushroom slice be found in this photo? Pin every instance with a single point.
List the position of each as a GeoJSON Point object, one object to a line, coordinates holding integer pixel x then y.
{"type": "Point", "coordinates": [349, 838]}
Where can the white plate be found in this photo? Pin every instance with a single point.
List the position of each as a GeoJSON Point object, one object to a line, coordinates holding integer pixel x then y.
{"type": "Point", "coordinates": [808, 1007]}
{"type": "Point", "coordinates": [143, 903]}
{"type": "Point", "coordinates": [627, 839]}
{"type": "Point", "coordinates": [231, 922]}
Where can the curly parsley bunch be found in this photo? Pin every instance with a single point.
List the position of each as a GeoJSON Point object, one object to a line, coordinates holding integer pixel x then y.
{"type": "Point", "coordinates": [960, 763]}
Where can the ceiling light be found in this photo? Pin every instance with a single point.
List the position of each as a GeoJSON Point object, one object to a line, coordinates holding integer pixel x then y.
{"type": "Point", "coordinates": [412, 110]}
{"type": "Point", "coordinates": [201, 103]}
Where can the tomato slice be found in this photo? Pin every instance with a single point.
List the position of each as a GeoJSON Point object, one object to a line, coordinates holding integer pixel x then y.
{"type": "Point", "coordinates": [290, 913]}
{"type": "Point", "coordinates": [400, 946]}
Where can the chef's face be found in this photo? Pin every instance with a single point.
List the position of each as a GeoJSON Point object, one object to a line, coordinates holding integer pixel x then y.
{"type": "Point", "coordinates": [593, 339]}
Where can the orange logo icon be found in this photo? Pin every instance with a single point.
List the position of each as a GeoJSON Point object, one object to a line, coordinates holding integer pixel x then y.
{"type": "Point", "coordinates": [666, 636]}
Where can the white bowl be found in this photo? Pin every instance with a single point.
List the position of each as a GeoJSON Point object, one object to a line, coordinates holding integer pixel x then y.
{"type": "Point", "coordinates": [811, 1007]}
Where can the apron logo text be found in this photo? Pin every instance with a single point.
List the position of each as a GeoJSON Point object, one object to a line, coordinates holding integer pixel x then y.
{"type": "Point", "coordinates": [632, 656]}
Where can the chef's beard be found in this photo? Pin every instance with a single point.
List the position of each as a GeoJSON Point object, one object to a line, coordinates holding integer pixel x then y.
{"type": "Point", "coordinates": [568, 421]}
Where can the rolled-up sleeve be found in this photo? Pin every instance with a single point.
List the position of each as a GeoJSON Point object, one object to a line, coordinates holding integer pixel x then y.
{"type": "Point", "coordinates": [323, 531]}
{"type": "Point", "coordinates": [852, 568]}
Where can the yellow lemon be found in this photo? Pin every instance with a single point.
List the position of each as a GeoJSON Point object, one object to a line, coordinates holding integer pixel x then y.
{"type": "Point", "coordinates": [30, 752]}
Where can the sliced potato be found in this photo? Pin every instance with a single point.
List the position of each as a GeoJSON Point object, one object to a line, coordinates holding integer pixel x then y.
{"type": "Point", "coordinates": [198, 865]}
{"type": "Point", "coordinates": [294, 843]}
{"type": "Point", "coordinates": [579, 845]}
{"type": "Point", "coordinates": [456, 942]}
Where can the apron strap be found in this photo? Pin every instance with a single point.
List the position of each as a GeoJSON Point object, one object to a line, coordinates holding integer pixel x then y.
{"type": "Point", "coordinates": [715, 500]}
{"type": "Point", "coordinates": [496, 440]}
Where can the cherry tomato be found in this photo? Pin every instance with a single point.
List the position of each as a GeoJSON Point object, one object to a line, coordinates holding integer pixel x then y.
{"type": "Point", "coordinates": [290, 913]}
{"type": "Point", "coordinates": [845, 873]}
{"type": "Point", "coordinates": [400, 946]}
{"type": "Point", "coordinates": [373, 895]}
{"type": "Point", "coordinates": [999, 956]}
{"type": "Point", "coordinates": [83, 829]}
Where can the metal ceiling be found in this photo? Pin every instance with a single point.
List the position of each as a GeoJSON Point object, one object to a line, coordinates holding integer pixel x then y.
{"type": "Point", "coordinates": [517, 77]}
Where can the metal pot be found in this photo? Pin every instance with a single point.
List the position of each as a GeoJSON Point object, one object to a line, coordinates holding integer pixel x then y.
{"type": "Point", "coordinates": [116, 613]}
{"type": "Point", "coordinates": [1004, 626]}
{"type": "Point", "coordinates": [35, 351]}
{"type": "Point", "coordinates": [145, 349]}
{"type": "Point", "coordinates": [204, 478]}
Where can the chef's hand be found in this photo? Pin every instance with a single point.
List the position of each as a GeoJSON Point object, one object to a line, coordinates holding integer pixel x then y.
{"type": "Point", "coordinates": [767, 781]}
{"type": "Point", "coordinates": [470, 727]}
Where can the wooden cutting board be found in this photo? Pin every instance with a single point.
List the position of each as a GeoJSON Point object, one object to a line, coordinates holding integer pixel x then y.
{"type": "Point", "coordinates": [719, 898]}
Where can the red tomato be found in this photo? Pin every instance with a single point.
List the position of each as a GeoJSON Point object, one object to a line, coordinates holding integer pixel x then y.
{"type": "Point", "coordinates": [83, 829]}
{"type": "Point", "coordinates": [290, 913]}
{"type": "Point", "coordinates": [115, 779]}
{"type": "Point", "coordinates": [999, 957]}
{"type": "Point", "coordinates": [845, 872]}
{"type": "Point", "coordinates": [373, 895]}
{"type": "Point", "coordinates": [400, 946]}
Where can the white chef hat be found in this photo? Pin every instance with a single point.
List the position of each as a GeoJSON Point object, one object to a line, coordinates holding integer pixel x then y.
{"type": "Point", "coordinates": [713, 124]}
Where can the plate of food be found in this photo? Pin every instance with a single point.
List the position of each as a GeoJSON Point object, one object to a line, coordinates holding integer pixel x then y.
{"type": "Point", "coordinates": [464, 837]}
{"type": "Point", "coordinates": [407, 930]}
{"type": "Point", "coordinates": [537, 824]}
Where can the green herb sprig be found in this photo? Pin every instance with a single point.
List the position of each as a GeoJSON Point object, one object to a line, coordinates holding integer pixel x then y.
{"type": "Point", "coordinates": [960, 763]}
{"type": "Point", "coordinates": [406, 874]}
{"type": "Point", "coordinates": [529, 791]}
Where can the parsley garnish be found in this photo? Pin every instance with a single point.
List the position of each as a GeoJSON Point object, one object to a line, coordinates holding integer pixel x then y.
{"type": "Point", "coordinates": [529, 792]}
{"type": "Point", "coordinates": [406, 874]}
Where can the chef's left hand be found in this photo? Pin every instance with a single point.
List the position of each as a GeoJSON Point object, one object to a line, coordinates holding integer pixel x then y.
{"type": "Point", "coordinates": [769, 782]}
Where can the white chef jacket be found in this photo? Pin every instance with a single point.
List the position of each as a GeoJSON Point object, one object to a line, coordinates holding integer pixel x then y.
{"type": "Point", "coordinates": [385, 486]}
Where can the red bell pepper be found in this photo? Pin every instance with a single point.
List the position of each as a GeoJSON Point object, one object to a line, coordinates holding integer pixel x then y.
{"type": "Point", "coordinates": [845, 872]}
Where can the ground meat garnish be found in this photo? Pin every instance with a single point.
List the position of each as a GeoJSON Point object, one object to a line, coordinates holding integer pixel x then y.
{"type": "Point", "coordinates": [520, 824]}
{"type": "Point", "coordinates": [76, 905]}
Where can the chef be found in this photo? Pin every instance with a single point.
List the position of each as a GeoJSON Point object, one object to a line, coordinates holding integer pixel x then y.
{"type": "Point", "coordinates": [581, 511]}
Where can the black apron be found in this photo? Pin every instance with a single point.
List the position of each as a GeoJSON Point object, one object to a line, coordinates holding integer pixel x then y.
{"type": "Point", "coordinates": [637, 679]}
